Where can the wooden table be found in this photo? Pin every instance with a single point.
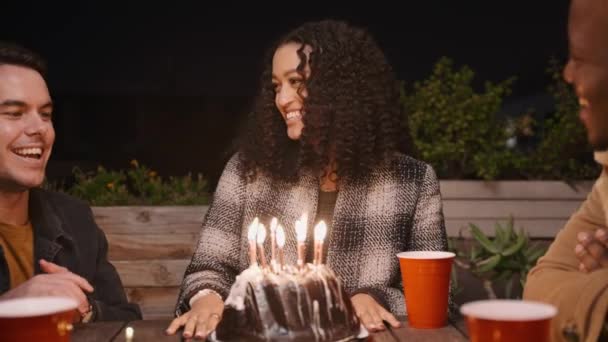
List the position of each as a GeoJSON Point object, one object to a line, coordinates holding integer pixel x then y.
{"type": "Point", "coordinates": [153, 330]}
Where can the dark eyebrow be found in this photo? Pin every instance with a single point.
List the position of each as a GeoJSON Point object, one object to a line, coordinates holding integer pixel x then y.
{"type": "Point", "coordinates": [286, 73]}
{"type": "Point", "coordinates": [291, 71]}
{"type": "Point", "coordinates": [13, 103]}
{"type": "Point", "coordinates": [47, 105]}
{"type": "Point", "coordinates": [17, 103]}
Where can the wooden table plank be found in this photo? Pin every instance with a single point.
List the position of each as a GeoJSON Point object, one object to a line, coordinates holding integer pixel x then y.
{"type": "Point", "coordinates": [148, 330]}
{"type": "Point", "coordinates": [461, 325]}
{"type": "Point", "coordinates": [154, 330]}
{"type": "Point", "coordinates": [448, 333]}
{"type": "Point", "coordinates": [97, 332]}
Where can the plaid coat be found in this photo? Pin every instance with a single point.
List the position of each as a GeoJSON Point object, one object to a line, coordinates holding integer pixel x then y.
{"type": "Point", "coordinates": [396, 208]}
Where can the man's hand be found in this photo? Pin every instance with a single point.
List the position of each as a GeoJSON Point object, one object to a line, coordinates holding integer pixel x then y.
{"type": "Point", "coordinates": [57, 281]}
{"type": "Point", "coordinates": [201, 320]}
{"type": "Point", "coordinates": [371, 314]}
{"type": "Point", "coordinates": [592, 250]}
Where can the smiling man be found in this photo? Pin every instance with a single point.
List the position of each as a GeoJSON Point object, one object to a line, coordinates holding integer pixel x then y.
{"type": "Point", "coordinates": [573, 275]}
{"type": "Point", "coordinates": [49, 242]}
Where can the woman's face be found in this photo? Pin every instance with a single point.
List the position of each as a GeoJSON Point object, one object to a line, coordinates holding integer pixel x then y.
{"type": "Point", "coordinates": [289, 86]}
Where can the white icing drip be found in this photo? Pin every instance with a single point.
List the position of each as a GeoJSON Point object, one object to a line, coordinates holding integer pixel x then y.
{"type": "Point", "coordinates": [282, 286]}
{"type": "Point", "coordinates": [311, 317]}
{"type": "Point", "coordinates": [236, 298]}
{"type": "Point", "coordinates": [328, 297]}
{"type": "Point", "coordinates": [340, 295]}
{"type": "Point", "coordinates": [299, 301]}
{"type": "Point", "coordinates": [283, 281]}
{"type": "Point", "coordinates": [316, 327]}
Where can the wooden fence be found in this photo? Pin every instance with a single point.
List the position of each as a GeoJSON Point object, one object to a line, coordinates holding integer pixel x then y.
{"type": "Point", "coordinates": [151, 246]}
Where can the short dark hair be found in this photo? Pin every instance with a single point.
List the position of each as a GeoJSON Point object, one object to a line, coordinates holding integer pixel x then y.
{"type": "Point", "coordinates": [14, 54]}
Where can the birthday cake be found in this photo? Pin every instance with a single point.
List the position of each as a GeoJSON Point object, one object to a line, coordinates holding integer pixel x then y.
{"type": "Point", "coordinates": [305, 303]}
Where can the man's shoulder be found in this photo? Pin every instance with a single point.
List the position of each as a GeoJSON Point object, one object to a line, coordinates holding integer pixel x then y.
{"type": "Point", "coordinates": [59, 200]}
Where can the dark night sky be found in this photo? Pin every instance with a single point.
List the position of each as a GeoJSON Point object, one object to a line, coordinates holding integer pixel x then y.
{"type": "Point", "coordinates": [159, 81]}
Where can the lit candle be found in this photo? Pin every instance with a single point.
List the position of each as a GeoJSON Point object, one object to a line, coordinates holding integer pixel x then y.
{"type": "Point", "coordinates": [261, 238]}
{"type": "Point", "coordinates": [273, 242]}
{"type": "Point", "coordinates": [129, 334]}
{"type": "Point", "coordinates": [280, 243]}
{"type": "Point", "coordinates": [301, 237]}
{"type": "Point", "coordinates": [251, 235]}
{"type": "Point", "coordinates": [320, 232]}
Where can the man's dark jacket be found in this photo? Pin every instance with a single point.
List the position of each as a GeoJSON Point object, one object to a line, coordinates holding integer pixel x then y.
{"type": "Point", "coordinates": [66, 234]}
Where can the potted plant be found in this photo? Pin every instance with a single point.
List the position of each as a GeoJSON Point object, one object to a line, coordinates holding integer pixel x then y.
{"type": "Point", "coordinates": [501, 263]}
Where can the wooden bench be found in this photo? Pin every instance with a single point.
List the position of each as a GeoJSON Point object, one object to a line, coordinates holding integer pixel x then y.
{"type": "Point", "coordinates": [151, 246]}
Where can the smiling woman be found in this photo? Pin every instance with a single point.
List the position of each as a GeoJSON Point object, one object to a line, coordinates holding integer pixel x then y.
{"type": "Point", "coordinates": [288, 75]}
{"type": "Point", "coordinates": [323, 138]}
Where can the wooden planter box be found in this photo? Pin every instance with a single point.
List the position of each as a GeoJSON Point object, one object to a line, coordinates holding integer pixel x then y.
{"type": "Point", "coordinates": [151, 246]}
{"type": "Point", "coordinates": [540, 207]}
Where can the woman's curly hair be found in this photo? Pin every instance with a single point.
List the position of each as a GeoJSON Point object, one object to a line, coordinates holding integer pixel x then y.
{"type": "Point", "coordinates": [352, 108]}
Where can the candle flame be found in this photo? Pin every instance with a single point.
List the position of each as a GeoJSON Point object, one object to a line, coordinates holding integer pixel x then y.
{"type": "Point", "coordinates": [129, 333]}
{"type": "Point", "coordinates": [261, 233]}
{"type": "Point", "coordinates": [320, 231]}
{"type": "Point", "coordinates": [300, 231]}
{"type": "Point", "coordinates": [273, 224]}
{"type": "Point", "coordinates": [280, 236]}
{"type": "Point", "coordinates": [253, 230]}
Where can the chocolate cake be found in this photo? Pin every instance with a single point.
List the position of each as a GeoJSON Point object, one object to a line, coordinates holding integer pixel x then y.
{"type": "Point", "coordinates": [307, 304]}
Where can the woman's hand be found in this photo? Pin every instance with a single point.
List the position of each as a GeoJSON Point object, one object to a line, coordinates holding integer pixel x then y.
{"type": "Point", "coordinates": [371, 314]}
{"type": "Point", "coordinates": [592, 250]}
{"type": "Point", "coordinates": [203, 317]}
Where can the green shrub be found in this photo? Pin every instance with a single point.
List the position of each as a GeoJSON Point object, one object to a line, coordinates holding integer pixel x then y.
{"type": "Point", "coordinates": [101, 188]}
{"type": "Point", "coordinates": [138, 185]}
{"type": "Point", "coordinates": [459, 132]}
{"type": "Point", "coordinates": [455, 128]}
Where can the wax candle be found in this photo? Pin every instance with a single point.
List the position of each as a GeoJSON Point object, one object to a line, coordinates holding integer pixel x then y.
{"type": "Point", "coordinates": [281, 244]}
{"type": "Point", "coordinates": [273, 242]}
{"type": "Point", "coordinates": [261, 237]}
{"type": "Point", "coordinates": [301, 238]}
{"type": "Point", "coordinates": [320, 232]}
{"type": "Point", "coordinates": [251, 236]}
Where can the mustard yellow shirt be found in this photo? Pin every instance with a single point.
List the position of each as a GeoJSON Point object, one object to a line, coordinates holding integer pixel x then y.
{"type": "Point", "coordinates": [18, 246]}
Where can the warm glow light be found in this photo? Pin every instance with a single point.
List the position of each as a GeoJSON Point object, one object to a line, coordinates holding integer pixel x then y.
{"type": "Point", "coordinates": [261, 233]}
{"type": "Point", "coordinates": [280, 236]}
{"type": "Point", "coordinates": [253, 230]}
{"type": "Point", "coordinates": [129, 333]}
{"type": "Point", "coordinates": [320, 231]}
{"type": "Point", "coordinates": [304, 220]}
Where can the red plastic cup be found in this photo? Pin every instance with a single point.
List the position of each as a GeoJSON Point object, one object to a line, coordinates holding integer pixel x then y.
{"type": "Point", "coordinates": [500, 320]}
{"type": "Point", "coordinates": [426, 282]}
{"type": "Point", "coordinates": [37, 319]}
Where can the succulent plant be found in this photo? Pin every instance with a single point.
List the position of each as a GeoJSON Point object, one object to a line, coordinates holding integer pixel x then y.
{"type": "Point", "coordinates": [507, 255]}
